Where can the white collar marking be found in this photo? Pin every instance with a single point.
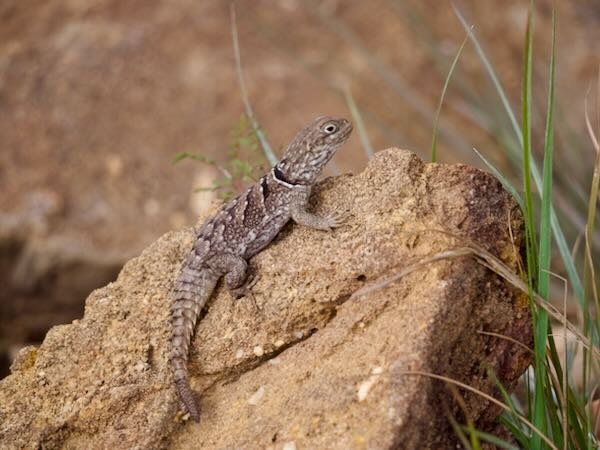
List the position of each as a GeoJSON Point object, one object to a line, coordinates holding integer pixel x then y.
{"type": "Point", "coordinates": [284, 183]}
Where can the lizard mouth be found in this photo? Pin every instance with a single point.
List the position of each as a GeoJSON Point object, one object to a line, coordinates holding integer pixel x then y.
{"type": "Point", "coordinates": [346, 129]}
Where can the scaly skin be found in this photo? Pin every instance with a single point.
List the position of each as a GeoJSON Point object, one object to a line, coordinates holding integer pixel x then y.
{"type": "Point", "coordinates": [242, 228]}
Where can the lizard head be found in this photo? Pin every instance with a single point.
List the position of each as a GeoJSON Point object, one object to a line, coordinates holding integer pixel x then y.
{"type": "Point", "coordinates": [312, 148]}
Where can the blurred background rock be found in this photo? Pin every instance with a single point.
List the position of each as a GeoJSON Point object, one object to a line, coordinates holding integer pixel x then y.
{"type": "Point", "coordinates": [97, 98]}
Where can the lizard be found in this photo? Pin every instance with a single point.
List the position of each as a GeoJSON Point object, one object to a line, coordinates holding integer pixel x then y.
{"type": "Point", "coordinates": [243, 227]}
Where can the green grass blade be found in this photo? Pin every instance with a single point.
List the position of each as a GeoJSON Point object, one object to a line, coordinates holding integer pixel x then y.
{"type": "Point", "coordinates": [360, 125]}
{"type": "Point", "coordinates": [576, 414]}
{"type": "Point", "coordinates": [545, 228]}
{"type": "Point", "coordinates": [522, 437]}
{"type": "Point", "coordinates": [543, 288]}
{"type": "Point", "coordinates": [539, 412]}
{"type": "Point", "coordinates": [513, 415]}
{"type": "Point", "coordinates": [500, 443]}
{"type": "Point", "coordinates": [446, 83]}
{"type": "Point", "coordinates": [544, 407]}
{"type": "Point", "coordinates": [460, 434]}
{"type": "Point", "coordinates": [526, 104]}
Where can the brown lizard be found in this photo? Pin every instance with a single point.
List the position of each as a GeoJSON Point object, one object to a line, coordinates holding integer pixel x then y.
{"type": "Point", "coordinates": [242, 228]}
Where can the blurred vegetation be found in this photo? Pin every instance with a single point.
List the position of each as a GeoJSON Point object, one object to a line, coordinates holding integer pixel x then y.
{"type": "Point", "coordinates": [244, 162]}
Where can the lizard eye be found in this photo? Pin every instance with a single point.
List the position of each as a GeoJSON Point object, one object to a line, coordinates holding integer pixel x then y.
{"type": "Point", "coordinates": [330, 128]}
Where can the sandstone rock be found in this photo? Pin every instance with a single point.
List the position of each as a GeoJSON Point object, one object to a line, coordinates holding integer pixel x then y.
{"type": "Point", "coordinates": [307, 364]}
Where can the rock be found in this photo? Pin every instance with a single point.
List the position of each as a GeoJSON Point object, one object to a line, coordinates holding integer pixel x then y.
{"type": "Point", "coordinates": [330, 372]}
{"type": "Point", "coordinates": [44, 281]}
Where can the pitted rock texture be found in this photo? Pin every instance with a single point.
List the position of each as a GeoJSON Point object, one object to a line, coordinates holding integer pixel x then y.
{"type": "Point", "coordinates": [305, 362]}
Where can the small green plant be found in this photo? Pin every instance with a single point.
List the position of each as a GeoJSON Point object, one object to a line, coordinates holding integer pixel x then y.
{"type": "Point", "coordinates": [244, 164]}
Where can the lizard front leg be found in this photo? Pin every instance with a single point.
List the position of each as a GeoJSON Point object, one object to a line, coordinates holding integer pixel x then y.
{"type": "Point", "coordinates": [302, 217]}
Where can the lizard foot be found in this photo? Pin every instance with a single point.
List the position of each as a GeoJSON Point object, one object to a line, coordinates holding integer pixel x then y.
{"type": "Point", "coordinates": [245, 289]}
{"type": "Point", "coordinates": [336, 219]}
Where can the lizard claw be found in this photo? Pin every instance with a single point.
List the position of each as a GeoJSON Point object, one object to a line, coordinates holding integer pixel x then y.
{"type": "Point", "coordinates": [246, 290]}
{"type": "Point", "coordinates": [337, 219]}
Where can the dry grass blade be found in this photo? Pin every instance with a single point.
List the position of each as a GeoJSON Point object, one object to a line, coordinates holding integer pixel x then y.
{"type": "Point", "coordinates": [597, 412]}
{"type": "Point", "coordinates": [515, 250]}
{"type": "Point", "coordinates": [358, 120]}
{"type": "Point", "coordinates": [458, 430]}
{"type": "Point", "coordinates": [508, 338]}
{"type": "Point", "coordinates": [463, 406]}
{"type": "Point", "coordinates": [589, 274]}
{"type": "Point", "coordinates": [444, 90]}
{"type": "Point", "coordinates": [453, 253]}
{"type": "Point", "coordinates": [565, 415]}
{"type": "Point", "coordinates": [592, 273]}
{"type": "Point", "coordinates": [488, 260]}
{"type": "Point", "coordinates": [588, 124]}
{"type": "Point", "coordinates": [484, 395]}
{"type": "Point", "coordinates": [576, 244]}
{"type": "Point", "coordinates": [497, 266]}
{"type": "Point", "coordinates": [247, 106]}
{"type": "Point", "coordinates": [562, 398]}
{"type": "Point", "coordinates": [598, 99]}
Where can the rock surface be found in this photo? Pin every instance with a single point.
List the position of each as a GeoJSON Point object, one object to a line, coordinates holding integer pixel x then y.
{"type": "Point", "coordinates": [307, 364]}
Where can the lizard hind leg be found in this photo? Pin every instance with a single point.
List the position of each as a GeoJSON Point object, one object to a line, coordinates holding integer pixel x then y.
{"type": "Point", "coordinates": [245, 289]}
{"type": "Point", "coordinates": [237, 280]}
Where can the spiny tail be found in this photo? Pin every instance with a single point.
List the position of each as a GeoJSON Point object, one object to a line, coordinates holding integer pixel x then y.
{"type": "Point", "coordinates": [192, 290]}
